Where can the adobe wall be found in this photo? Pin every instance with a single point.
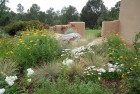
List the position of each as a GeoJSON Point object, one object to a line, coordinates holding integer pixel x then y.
{"type": "Point", "coordinates": [129, 19]}
{"type": "Point", "coordinates": [79, 27]}
{"type": "Point", "coordinates": [110, 27]}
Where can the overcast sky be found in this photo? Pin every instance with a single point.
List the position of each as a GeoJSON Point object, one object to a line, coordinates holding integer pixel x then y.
{"type": "Point", "coordinates": [56, 4]}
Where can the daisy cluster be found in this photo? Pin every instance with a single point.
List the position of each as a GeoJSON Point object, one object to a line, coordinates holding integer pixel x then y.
{"type": "Point", "coordinates": [79, 51]}
{"type": "Point", "coordinates": [10, 80]}
{"type": "Point", "coordinates": [109, 68]}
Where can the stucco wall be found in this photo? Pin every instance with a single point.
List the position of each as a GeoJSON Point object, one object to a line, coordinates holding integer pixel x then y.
{"type": "Point", "coordinates": [110, 27]}
{"type": "Point", "coordinates": [79, 27]}
{"type": "Point", "coordinates": [129, 19]}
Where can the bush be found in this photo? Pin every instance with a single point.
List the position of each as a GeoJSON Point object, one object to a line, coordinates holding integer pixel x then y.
{"type": "Point", "coordinates": [15, 27]}
{"type": "Point", "coordinates": [119, 53]}
{"type": "Point", "coordinates": [131, 76]}
{"type": "Point", "coordinates": [12, 28]}
{"type": "Point", "coordinates": [35, 47]}
{"type": "Point", "coordinates": [62, 86]}
{"type": "Point", "coordinates": [35, 25]}
{"type": "Point", "coordinates": [6, 47]}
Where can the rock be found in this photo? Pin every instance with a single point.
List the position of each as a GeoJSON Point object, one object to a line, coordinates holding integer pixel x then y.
{"type": "Point", "coordinates": [66, 38]}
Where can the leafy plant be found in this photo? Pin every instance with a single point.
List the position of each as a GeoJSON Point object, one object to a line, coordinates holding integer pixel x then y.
{"type": "Point", "coordinates": [12, 28]}
{"type": "Point", "coordinates": [35, 47]}
{"type": "Point", "coordinates": [61, 86]}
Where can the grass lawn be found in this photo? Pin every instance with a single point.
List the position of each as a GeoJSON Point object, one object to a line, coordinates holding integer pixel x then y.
{"type": "Point", "coordinates": [90, 33]}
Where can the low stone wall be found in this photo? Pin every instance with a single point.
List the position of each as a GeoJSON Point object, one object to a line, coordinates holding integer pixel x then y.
{"type": "Point", "coordinates": [77, 26]}
{"type": "Point", "coordinates": [110, 27]}
{"type": "Point", "coordinates": [60, 28]}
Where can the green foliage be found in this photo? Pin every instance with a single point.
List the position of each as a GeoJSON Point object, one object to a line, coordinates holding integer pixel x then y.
{"type": "Point", "coordinates": [69, 14]}
{"type": "Point", "coordinates": [132, 74]}
{"type": "Point", "coordinates": [33, 12]}
{"type": "Point", "coordinates": [118, 52]}
{"type": "Point", "coordinates": [114, 12]}
{"type": "Point", "coordinates": [18, 26]}
{"type": "Point", "coordinates": [7, 67]}
{"type": "Point", "coordinates": [20, 8]}
{"type": "Point", "coordinates": [6, 47]}
{"type": "Point", "coordinates": [4, 18]}
{"type": "Point", "coordinates": [12, 28]}
{"type": "Point", "coordinates": [92, 76]}
{"type": "Point", "coordinates": [137, 44]}
{"type": "Point", "coordinates": [61, 86]}
{"type": "Point", "coordinates": [35, 48]}
{"type": "Point", "coordinates": [34, 25]}
{"type": "Point", "coordinates": [116, 49]}
{"type": "Point", "coordinates": [91, 12]}
{"type": "Point", "coordinates": [112, 75]}
{"type": "Point", "coordinates": [92, 33]}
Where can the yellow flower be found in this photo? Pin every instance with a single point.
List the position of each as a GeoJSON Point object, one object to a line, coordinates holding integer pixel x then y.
{"type": "Point", "coordinates": [123, 75]}
{"type": "Point", "coordinates": [28, 48]}
{"type": "Point", "coordinates": [31, 40]}
{"type": "Point", "coordinates": [117, 34]}
{"type": "Point", "coordinates": [43, 35]}
{"type": "Point", "coordinates": [132, 68]}
{"type": "Point", "coordinates": [35, 44]}
{"type": "Point", "coordinates": [121, 57]}
{"type": "Point", "coordinates": [11, 52]}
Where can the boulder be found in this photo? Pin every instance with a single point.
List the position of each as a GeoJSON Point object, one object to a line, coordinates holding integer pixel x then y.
{"type": "Point", "coordinates": [66, 38]}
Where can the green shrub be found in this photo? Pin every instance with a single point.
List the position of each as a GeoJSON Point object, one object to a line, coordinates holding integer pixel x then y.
{"type": "Point", "coordinates": [6, 45]}
{"type": "Point", "coordinates": [119, 53]}
{"type": "Point", "coordinates": [61, 86]}
{"type": "Point", "coordinates": [131, 76]}
{"type": "Point", "coordinates": [12, 28]}
{"type": "Point", "coordinates": [35, 25]}
{"type": "Point", "coordinates": [35, 47]}
{"type": "Point", "coordinates": [15, 27]}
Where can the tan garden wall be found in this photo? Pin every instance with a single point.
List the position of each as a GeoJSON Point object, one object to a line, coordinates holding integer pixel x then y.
{"type": "Point", "coordinates": [61, 28]}
{"type": "Point", "coordinates": [128, 24]}
{"type": "Point", "coordinates": [129, 19]}
{"type": "Point", "coordinates": [79, 27]}
{"type": "Point", "coordinates": [110, 27]}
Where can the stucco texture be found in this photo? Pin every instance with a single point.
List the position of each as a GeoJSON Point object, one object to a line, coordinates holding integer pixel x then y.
{"type": "Point", "coordinates": [129, 19]}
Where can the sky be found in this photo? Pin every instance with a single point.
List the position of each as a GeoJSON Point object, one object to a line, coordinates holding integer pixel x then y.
{"type": "Point", "coordinates": [56, 4]}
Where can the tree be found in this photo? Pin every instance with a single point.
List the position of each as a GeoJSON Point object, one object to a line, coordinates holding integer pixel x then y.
{"type": "Point", "coordinates": [33, 12]}
{"type": "Point", "coordinates": [114, 12]}
{"type": "Point", "coordinates": [42, 17]}
{"type": "Point", "coordinates": [4, 17]}
{"type": "Point", "coordinates": [69, 14]}
{"type": "Point", "coordinates": [50, 14]}
{"type": "Point", "coordinates": [103, 15]}
{"type": "Point", "coordinates": [91, 12]}
{"type": "Point", "coordinates": [20, 8]}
